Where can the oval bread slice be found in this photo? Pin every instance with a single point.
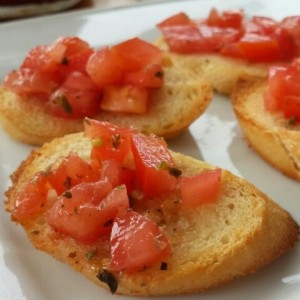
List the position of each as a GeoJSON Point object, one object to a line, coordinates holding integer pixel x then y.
{"type": "Point", "coordinates": [270, 134]}
{"type": "Point", "coordinates": [172, 108]}
{"type": "Point", "coordinates": [213, 244]}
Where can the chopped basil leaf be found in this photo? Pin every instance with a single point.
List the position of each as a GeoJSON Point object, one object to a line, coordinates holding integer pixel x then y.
{"type": "Point", "coordinates": [175, 172]}
{"type": "Point", "coordinates": [91, 253]}
{"type": "Point", "coordinates": [159, 74]}
{"type": "Point", "coordinates": [65, 61]}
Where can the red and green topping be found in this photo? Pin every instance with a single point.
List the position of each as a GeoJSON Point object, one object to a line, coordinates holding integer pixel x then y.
{"type": "Point", "coordinates": [73, 80]}
{"type": "Point", "coordinates": [283, 91]}
{"type": "Point", "coordinates": [102, 196]}
{"type": "Point", "coordinates": [229, 33]}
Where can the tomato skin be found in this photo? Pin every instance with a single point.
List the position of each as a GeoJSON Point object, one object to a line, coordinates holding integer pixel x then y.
{"type": "Point", "coordinates": [89, 211]}
{"type": "Point", "coordinates": [76, 97]}
{"type": "Point", "coordinates": [136, 243]}
{"type": "Point", "coordinates": [292, 26]}
{"type": "Point", "coordinates": [31, 199]}
{"type": "Point", "coordinates": [149, 154]}
{"type": "Point", "coordinates": [125, 98]}
{"type": "Point", "coordinates": [200, 188]}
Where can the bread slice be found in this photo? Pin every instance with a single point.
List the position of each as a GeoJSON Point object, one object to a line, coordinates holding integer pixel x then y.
{"type": "Point", "coordinates": [221, 72]}
{"type": "Point", "coordinates": [270, 134]}
{"type": "Point", "coordinates": [172, 108]}
{"type": "Point", "coordinates": [211, 245]}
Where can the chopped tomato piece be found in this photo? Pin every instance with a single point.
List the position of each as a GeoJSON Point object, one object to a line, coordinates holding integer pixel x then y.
{"type": "Point", "coordinates": [26, 82]}
{"type": "Point", "coordinates": [153, 162]}
{"type": "Point", "coordinates": [76, 97]}
{"type": "Point", "coordinates": [260, 39]}
{"type": "Point", "coordinates": [134, 54]}
{"type": "Point", "coordinates": [225, 19]}
{"type": "Point", "coordinates": [109, 141]}
{"type": "Point", "coordinates": [32, 198]}
{"type": "Point", "coordinates": [87, 211]}
{"type": "Point", "coordinates": [200, 188]}
{"type": "Point", "coordinates": [283, 90]}
{"type": "Point", "coordinates": [125, 98]}
{"type": "Point", "coordinates": [137, 243]}
{"type": "Point", "coordinates": [150, 76]}
{"type": "Point", "coordinates": [70, 171]}
{"type": "Point", "coordinates": [178, 19]}
{"type": "Point", "coordinates": [103, 68]}
{"type": "Point", "coordinates": [292, 26]}
{"type": "Point", "coordinates": [256, 48]}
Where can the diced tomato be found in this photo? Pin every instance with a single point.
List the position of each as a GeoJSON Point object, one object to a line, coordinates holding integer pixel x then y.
{"type": "Point", "coordinates": [125, 98]}
{"type": "Point", "coordinates": [200, 188]}
{"type": "Point", "coordinates": [70, 171]}
{"type": "Point", "coordinates": [103, 68]}
{"type": "Point", "coordinates": [255, 48]}
{"type": "Point", "coordinates": [292, 25]}
{"type": "Point", "coordinates": [87, 211]}
{"type": "Point", "coordinates": [283, 90]}
{"type": "Point", "coordinates": [261, 25]}
{"type": "Point", "coordinates": [152, 160]}
{"type": "Point", "coordinates": [225, 19]}
{"type": "Point", "coordinates": [185, 39]}
{"type": "Point", "coordinates": [150, 76]}
{"type": "Point", "coordinates": [76, 97]}
{"type": "Point", "coordinates": [260, 39]}
{"type": "Point", "coordinates": [134, 54]}
{"type": "Point", "coordinates": [41, 59]}
{"type": "Point", "coordinates": [31, 199]}
{"type": "Point", "coordinates": [137, 243]}
{"type": "Point", "coordinates": [26, 82]}
{"type": "Point", "coordinates": [178, 19]}
{"type": "Point", "coordinates": [109, 141]}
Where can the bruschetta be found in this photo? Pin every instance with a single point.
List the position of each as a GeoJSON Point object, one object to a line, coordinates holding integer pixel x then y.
{"type": "Point", "coordinates": [268, 112]}
{"type": "Point", "coordinates": [139, 219]}
{"type": "Point", "coordinates": [131, 83]}
{"type": "Point", "coordinates": [227, 45]}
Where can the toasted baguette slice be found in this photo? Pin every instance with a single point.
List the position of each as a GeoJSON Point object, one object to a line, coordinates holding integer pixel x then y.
{"type": "Point", "coordinates": [221, 72]}
{"type": "Point", "coordinates": [268, 133]}
{"type": "Point", "coordinates": [172, 108]}
{"type": "Point", "coordinates": [236, 235]}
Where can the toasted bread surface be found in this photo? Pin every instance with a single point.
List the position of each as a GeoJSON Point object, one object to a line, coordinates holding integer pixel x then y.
{"type": "Point", "coordinates": [220, 71]}
{"type": "Point", "coordinates": [172, 108]}
{"type": "Point", "coordinates": [211, 245]}
{"type": "Point", "coordinates": [270, 134]}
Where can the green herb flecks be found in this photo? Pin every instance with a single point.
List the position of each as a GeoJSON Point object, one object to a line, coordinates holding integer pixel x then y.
{"type": "Point", "coordinates": [91, 253]}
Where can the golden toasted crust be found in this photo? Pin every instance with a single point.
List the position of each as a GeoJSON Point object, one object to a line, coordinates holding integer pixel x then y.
{"type": "Point", "coordinates": [211, 245]}
{"type": "Point", "coordinates": [172, 108]}
{"type": "Point", "coordinates": [221, 72]}
{"type": "Point", "coordinates": [268, 133]}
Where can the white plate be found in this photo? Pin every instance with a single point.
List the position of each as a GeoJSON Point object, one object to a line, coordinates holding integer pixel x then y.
{"type": "Point", "coordinates": [28, 274]}
{"type": "Point", "coordinates": [33, 9]}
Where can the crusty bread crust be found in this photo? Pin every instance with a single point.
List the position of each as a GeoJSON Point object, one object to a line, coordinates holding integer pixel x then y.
{"type": "Point", "coordinates": [268, 133]}
{"type": "Point", "coordinates": [221, 72]}
{"type": "Point", "coordinates": [172, 108]}
{"type": "Point", "coordinates": [211, 245]}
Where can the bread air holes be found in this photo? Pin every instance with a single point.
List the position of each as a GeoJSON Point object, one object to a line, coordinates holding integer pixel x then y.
{"type": "Point", "coordinates": [225, 239]}
{"type": "Point", "coordinates": [231, 206]}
